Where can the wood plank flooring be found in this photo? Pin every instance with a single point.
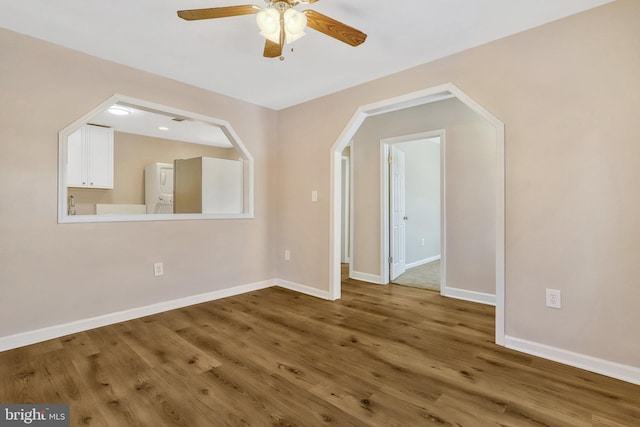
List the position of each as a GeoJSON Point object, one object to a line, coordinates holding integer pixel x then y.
{"type": "Point", "coordinates": [381, 356]}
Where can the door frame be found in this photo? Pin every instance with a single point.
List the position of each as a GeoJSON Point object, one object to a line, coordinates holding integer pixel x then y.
{"type": "Point", "coordinates": [346, 212]}
{"type": "Point", "coordinates": [426, 96]}
{"type": "Point", "coordinates": [385, 191]}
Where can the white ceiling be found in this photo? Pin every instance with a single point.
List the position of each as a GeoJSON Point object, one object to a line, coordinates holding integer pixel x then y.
{"type": "Point", "coordinates": [159, 124]}
{"type": "Point", "coordinates": [225, 55]}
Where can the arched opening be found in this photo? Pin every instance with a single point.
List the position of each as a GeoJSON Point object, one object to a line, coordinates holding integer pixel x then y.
{"type": "Point", "coordinates": [426, 96]}
{"type": "Point", "coordinates": [125, 144]}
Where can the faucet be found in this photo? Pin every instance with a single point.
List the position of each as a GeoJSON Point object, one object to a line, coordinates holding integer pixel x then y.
{"type": "Point", "coordinates": [72, 206]}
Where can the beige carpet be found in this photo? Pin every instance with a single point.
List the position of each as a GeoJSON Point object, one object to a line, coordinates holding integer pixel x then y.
{"type": "Point", "coordinates": [426, 276]}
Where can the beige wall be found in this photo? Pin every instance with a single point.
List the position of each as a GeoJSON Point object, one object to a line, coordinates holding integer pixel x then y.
{"type": "Point", "coordinates": [569, 95]}
{"type": "Point", "coordinates": [55, 273]}
{"type": "Point", "coordinates": [470, 189]}
{"type": "Point", "coordinates": [131, 154]}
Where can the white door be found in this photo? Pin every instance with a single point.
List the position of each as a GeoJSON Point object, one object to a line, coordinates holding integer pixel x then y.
{"type": "Point", "coordinates": [398, 213]}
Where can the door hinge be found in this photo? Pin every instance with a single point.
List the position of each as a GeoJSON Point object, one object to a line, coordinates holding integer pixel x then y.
{"type": "Point", "coordinates": [390, 159]}
{"type": "Point", "coordinates": [390, 260]}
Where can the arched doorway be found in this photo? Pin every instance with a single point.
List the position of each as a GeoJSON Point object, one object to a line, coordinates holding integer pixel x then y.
{"type": "Point", "coordinates": [426, 96]}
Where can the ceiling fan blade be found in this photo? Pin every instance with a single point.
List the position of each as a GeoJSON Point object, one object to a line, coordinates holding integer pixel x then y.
{"type": "Point", "coordinates": [272, 50]}
{"type": "Point", "coordinates": [335, 29]}
{"type": "Point", "coordinates": [218, 12]}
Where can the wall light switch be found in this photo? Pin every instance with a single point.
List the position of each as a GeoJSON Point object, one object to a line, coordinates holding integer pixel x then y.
{"type": "Point", "coordinates": [158, 269]}
{"type": "Point", "coordinates": [287, 255]}
{"type": "Point", "coordinates": [314, 196]}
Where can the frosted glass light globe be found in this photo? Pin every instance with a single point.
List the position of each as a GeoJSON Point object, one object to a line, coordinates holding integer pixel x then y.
{"type": "Point", "coordinates": [294, 24]}
{"type": "Point", "coordinates": [268, 21]}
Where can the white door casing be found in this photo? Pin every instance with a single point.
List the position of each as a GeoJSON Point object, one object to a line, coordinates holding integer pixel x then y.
{"type": "Point", "coordinates": [346, 218]}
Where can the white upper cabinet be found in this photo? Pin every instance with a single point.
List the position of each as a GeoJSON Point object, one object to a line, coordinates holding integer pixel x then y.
{"type": "Point", "coordinates": [76, 164]}
{"type": "Point", "coordinates": [90, 157]}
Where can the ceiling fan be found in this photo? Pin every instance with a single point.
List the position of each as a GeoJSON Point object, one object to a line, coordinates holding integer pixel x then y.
{"type": "Point", "coordinates": [281, 24]}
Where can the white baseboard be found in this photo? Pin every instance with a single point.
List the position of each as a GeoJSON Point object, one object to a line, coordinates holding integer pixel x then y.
{"type": "Point", "coordinates": [423, 261]}
{"type": "Point", "coordinates": [479, 297]}
{"type": "Point", "coordinates": [616, 370]}
{"type": "Point", "coordinates": [56, 331]}
{"type": "Point", "coordinates": [31, 337]}
{"type": "Point", "coordinates": [303, 289]}
{"type": "Point", "coordinates": [366, 277]}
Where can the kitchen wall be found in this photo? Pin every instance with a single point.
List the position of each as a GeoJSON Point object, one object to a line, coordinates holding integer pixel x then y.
{"type": "Point", "coordinates": [131, 154]}
{"type": "Point", "coordinates": [569, 95]}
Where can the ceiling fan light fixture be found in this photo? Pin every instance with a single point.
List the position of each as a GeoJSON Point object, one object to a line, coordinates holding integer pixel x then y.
{"type": "Point", "coordinates": [281, 24]}
{"type": "Point", "coordinates": [274, 37]}
{"type": "Point", "coordinates": [290, 38]}
{"type": "Point", "coordinates": [294, 24]}
{"type": "Point", "coordinates": [268, 20]}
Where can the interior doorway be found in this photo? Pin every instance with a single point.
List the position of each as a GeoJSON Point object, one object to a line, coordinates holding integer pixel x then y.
{"type": "Point", "coordinates": [413, 216]}
{"type": "Point", "coordinates": [423, 97]}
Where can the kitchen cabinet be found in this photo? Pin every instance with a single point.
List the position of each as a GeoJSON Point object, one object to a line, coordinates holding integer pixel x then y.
{"type": "Point", "coordinates": [90, 157]}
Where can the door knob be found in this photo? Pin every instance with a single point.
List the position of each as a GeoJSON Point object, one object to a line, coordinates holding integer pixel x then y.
{"type": "Point", "coordinates": [405, 218]}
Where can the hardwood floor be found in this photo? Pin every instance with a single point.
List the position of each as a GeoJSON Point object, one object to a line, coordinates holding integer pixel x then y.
{"type": "Point", "coordinates": [381, 356]}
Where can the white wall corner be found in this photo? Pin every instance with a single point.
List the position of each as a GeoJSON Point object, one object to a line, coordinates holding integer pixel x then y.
{"type": "Point", "coordinates": [303, 289]}
{"type": "Point", "coordinates": [31, 337]}
{"type": "Point", "coordinates": [615, 370]}
{"type": "Point", "coordinates": [463, 294]}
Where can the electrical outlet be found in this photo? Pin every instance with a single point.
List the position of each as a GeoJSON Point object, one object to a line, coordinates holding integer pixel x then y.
{"type": "Point", "coordinates": [554, 298]}
{"type": "Point", "coordinates": [287, 255]}
{"type": "Point", "coordinates": [158, 269]}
